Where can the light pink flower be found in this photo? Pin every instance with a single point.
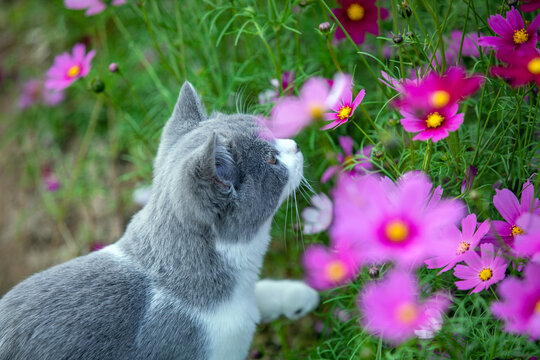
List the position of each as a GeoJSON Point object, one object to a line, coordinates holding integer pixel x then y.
{"type": "Point", "coordinates": [34, 93]}
{"type": "Point", "coordinates": [481, 271]}
{"type": "Point", "coordinates": [392, 309]}
{"type": "Point", "coordinates": [319, 217]}
{"type": "Point", "coordinates": [464, 241]}
{"type": "Point", "coordinates": [287, 87]}
{"type": "Point", "coordinates": [520, 303]}
{"type": "Point", "coordinates": [69, 67]}
{"type": "Point", "coordinates": [355, 164]}
{"type": "Point", "coordinates": [92, 7]}
{"type": "Point", "coordinates": [344, 109]}
{"type": "Point", "coordinates": [527, 244]}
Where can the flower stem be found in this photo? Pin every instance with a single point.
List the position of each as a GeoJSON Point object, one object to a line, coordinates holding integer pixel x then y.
{"type": "Point", "coordinates": [332, 54]}
{"type": "Point", "coordinates": [427, 156]}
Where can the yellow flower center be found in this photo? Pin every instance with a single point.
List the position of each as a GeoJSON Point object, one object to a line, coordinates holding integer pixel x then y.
{"type": "Point", "coordinates": [434, 120]}
{"type": "Point", "coordinates": [534, 66]}
{"type": "Point", "coordinates": [440, 98]}
{"type": "Point", "coordinates": [349, 161]}
{"type": "Point", "coordinates": [537, 307]}
{"type": "Point", "coordinates": [520, 36]}
{"type": "Point", "coordinates": [516, 230]}
{"type": "Point", "coordinates": [335, 271]}
{"type": "Point", "coordinates": [485, 274]}
{"type": "Point", "coordinates": [74, 71]}
{"type": "Point", "coordinates": [407, 313]}
{"type": "Point", "coordinates": [397, 231]}
{"type": "Point", "coordinates": [344, 113]}
{"type": "Point", "coordinates": [355, 12]}
{"type": "Point", "coordinates": [463, 247]}
{"type": "Point", "coordinates": [316, 111]}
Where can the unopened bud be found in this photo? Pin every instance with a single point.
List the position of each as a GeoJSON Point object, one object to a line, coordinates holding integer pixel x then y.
{"type": "Point", "coordinates": [97, 86]}
{"type": "Point", "coordinates": [303, 3]}
{"type": "Point", "coordinates": [512, 2]}
{"type": "Point", "coordinates": [397, 39]}
{"type": "Point", "coordinates": [392, 122]}
{"type": "Point", "coordinates": [405, 10]}
{"type": "Point", "coordinates": [113, 67]}
{"type": "Point", "coordinates": [378, 154]}
{"type": "Point", "coordinates": [325, 27]}
{"type": "Point", "coordinates": [474, 195]}
{"type": "Point", "coordinates": [373, 272]}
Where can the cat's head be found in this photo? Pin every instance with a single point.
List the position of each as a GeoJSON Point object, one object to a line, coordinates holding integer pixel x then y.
{"type": "Point", "coordinates": [217, 170]}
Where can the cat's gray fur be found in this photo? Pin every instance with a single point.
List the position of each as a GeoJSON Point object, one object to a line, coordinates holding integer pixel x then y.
{"type": "Point", "coordinates": [213, 183]}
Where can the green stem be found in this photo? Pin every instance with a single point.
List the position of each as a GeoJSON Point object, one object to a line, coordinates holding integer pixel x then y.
{"type": "Point", "coordinates": [427, 156]}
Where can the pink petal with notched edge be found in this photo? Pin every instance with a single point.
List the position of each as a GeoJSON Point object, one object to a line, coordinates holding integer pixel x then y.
{"type": "Point", "coordinates": [507, 204]}
{"type": "Point", "coordinates": [500, 26]}
{"type": "Point", "coordinates": [514, 19]}
{"type": "Point", "coordinates": [358, 99]}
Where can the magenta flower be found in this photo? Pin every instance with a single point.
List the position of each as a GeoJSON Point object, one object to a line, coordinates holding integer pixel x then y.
{"type": "Point", "coordinates": [391, 308]}
{"type": "Point", "coordinates": [97, 246]}
{"type": "Point", "coordinates": [344, 109]}
{"type": "Point", "coordinates": [520, 303]}
{"type": "Point", "coordinates": [356, 164]}
{"type": "Point", "coordinates": [521, 69]}
{"type": "Point", "coordinates": [290, 115]}
{"type": "Point", "coordinates": [481, 271]}
{"type": "Point", "coordinates": [68, 68]}
{"type": "Point", "coordinates": [50, 180]}
{"type": "Point", "coordinates": [464, 241]}
{"type": "Point", "coordinates": [529, 5]}
{"type": "Point", "coordinates": [511, 209]}
{"type": "Point", "coordinates": [358, 17]}
{"type": "Point", "coordinates": [430, 106]}
{"type": "Point", "coordinates": [527, 244]}
{"type": "Point", "coordinates": [328, 267]}
{"type": "Point", "coordinates": [512, 33]}
{"type": "Point", "coordinates": [393, 222]}
{"type": "Point", "coordinates": [92, 7]}
{"type": "Point", "coordinates": [33, 93]}
{"type": "Point", "coordinates": [319, 217]}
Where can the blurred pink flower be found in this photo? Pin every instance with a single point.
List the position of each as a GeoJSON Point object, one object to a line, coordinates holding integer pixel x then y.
{"type": "Point", "coordinates": [391, 308]}
{"type": "Point", "coordinates": [529, 5]}
{"type": "Point", "coordinates": [319, 217]}
{"type": "Point", "coordinates": [512, 33]}
{"type": "Point", "coordinates": [528, 243]}
{"type": "Point", "coordinates": [521, 69]}
{"type": "Point", "coordinates": [355, 164]}
{"type": "Point", "coordinates": [97, 246]}
{"type": "Point", "coordinates": [34, 93]}
{"type": "Point", "coordinates": [393, 222]}
{"type": "Point", "coordinates": [92, 7]}
{"type": "Point", "coordinates": [481, 271]}
{"type": "Point", "coordinates": [520, 303]}
{"type": "Point", "coordinates": [287, 86]}
{"type": "Point", "coordinates": [50, 180]}
{"type": "Point", "coordinates": [358, 17]}
{"type": "Point", "coordinates": [465, 240]}
{"type": "Point", "coordinates": [327, 268]}
{"type": "Point", "coordinates": [344, 109]}
{"type": "Point", "coordinates": [434, 313]}
{"type": "Point", "coordinates": [511, 209]}
{"type": "Point", "coordinates": [68, 68]}
{"type": "Point", "coordinates": [292, 114]}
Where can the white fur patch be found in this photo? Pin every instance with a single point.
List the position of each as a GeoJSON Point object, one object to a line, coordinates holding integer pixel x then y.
{"type": "Point", "coordinates": [115, 251]}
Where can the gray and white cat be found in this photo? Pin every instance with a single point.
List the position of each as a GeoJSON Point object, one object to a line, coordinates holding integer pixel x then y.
{"type": "Point", "coordinates": [182, 282]}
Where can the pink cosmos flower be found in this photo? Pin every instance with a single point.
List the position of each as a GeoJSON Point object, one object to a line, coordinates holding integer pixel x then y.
{"type": "Point", "coordinates": [50, 180]}
{"type": "Point", "coordinates": [512, 33]}
{"type": "Point", "coordinates": [521, 69]}
{"type": "Point", "coordinates": [434, 323]}
{"type": "Point", "coordinates": [528, 243]}
{"type": "Point", "coordinates": [481, 271]}
{"type": "Point", "coordinates": [520, 303]}
{"type": "Point", "coordinates": [344, 109]}
{"type": "Point", "coordinates": [356, 166]}
{"type": "Point", "coordinates": [92, 7]}
{"type": "Point", "coordinates": [319, 217]}
{"type": "Point", "coordinates": [391, 308]}
{"type": "Point", "coordinates": [358, 17]}
{"type": "Point", "coordinates": [33, 92]}
{"type": "Point", "coordinates": [287, 86]}
{"type": "Point", "coordinates": [529, 5]}
{"type": "Point", "coordinates": [327, 267]}
{"type": "Point", "coordinates": [464, 241]}
{"type": "Point", "coordinates": [430, 106]}
{"type": "Point", "coordinates": [68, 68]}
{"type": "Point", "coordinates": [511, 209]}
{"type": "Point", "coordinates": [290, 115]}
{"type": "Point", "coordinates": [393, 222]}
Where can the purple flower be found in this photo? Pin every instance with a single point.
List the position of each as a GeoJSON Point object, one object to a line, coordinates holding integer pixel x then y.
{"type": "Point", "coordinates": [512, 32]}
{"type": "Point", "coordinates": [391, 308]}
{"type": "Point", "coordinates": [50, 180]}
{"type": "Point", "coordinates": [319, 217]}
{"type": "Point", "coordinates": [33, 93]}
{"type": "Point", "coordinates": [358, 17]}
{"type": "Point", "coordinates": [67, 68]}
{"type": "Point", "coordinates": [469, 48]}
{"type": "Point", "coordinates": [528, 243]}
{"type": "Point", "coordinates": [92, 7]}
{"type": "Point", "coordinates": [464, 242]}
{"type": "Point", "coordinates": [530, 5]}
{"type": "Point", "coordinates": [355, 165]}
{"type": "Point", "coordinates": [520, 303]}
{"type": "Point", "coordinates": [481, 271]}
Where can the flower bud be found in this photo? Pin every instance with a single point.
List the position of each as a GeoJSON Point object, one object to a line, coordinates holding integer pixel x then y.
{"type": "Point", "coordinates": [325, 27]}
{"type": "Point", "coordinates": [378, 154]}
{"type": "Point", "coordinates": [113, 67]}
{"type": "Point", "coordinates": [405, 10]}
{"type": "Point", "coordinates": [397, 39]}
{"type": "Point", "coordinates": [97, 86]}
{"type": "Point", "coordinates": [474, 195]}
{"type": "Point", "coordinates": [373, 272]}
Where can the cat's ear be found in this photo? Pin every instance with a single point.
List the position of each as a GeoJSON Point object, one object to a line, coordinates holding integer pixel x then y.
{"type": "Point", "coordinates": [216, 165]}
{"type": "Point", "coordinates": [187, 114]}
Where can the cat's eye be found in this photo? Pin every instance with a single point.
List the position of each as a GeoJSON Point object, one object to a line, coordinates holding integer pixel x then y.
{"type": "Point", "coordinates": [272, 160]}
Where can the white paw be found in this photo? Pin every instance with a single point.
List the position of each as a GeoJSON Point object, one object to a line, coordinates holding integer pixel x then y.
{"type": "Point", "coordinates": [291, 298]}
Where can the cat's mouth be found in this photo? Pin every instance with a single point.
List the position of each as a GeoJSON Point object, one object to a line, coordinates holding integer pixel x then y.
{"type": "Point", "coordinates": [292, 158]}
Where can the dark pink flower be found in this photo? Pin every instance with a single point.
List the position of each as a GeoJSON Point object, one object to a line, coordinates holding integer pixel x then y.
{"type": "Point", "coordinates": [520, 303]}
{"type": "Point", "coordinates": [464, 241]}
{"type": "Point", "coordinates": [521, 69]}
{"type": "Point", "coordinates": [344, 108]}
{"type": "Point", "coordinates": [527, 244]}
{"type": "Point", "coordinates": [392, 309]}
{"type": "Point", "coordinates": [511, 209]}
{"type": "Point", "coordinates": [530, 5]}
{"type": "Point", "coordinates": [481, 271]}
{"type": "Point", "coordinates": [33, 93]}
{"type": "Point", "coordinates": [355, 164]}
{"type": "Point", "coordinates": [69, 67]}
{"type": "Point", "coordinates": [92, 7]}
{"type": "Point", "coordinates": [358, 17]}
{"type": "Point", "coordinates": [512, 32]}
